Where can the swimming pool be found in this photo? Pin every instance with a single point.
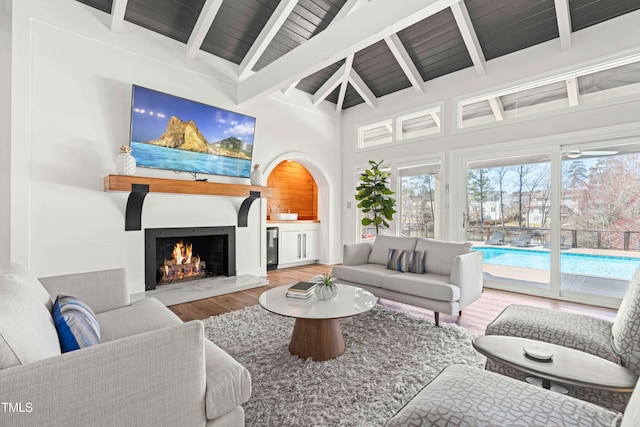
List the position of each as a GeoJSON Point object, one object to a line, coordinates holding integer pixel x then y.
{"type": "Point", "coordinates": [590, 265]}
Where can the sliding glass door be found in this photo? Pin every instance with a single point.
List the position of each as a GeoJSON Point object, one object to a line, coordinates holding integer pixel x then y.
{"type": "Point", "coordinates": [508, 218]}
{"type": "Point", "coordinates": [564, 222]}
{"type": "Point", "coordinates": [600, 206]}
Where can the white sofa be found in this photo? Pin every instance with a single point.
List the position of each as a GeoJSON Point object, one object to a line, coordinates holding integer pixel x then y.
{"type": "Point", "coordinates": [452, 279]}
{"type": "Point", "coordinates": [150, 368]}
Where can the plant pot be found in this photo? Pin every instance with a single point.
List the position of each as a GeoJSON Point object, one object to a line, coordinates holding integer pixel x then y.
{"type": "Point", "coordinates": [326, 292]}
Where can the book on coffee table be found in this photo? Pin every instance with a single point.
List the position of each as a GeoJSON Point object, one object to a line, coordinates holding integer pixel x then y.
{"type": "Point", "coordinates": [302, 287]}
{"type": "Point", "coordinates": [299, 295]}
{"type": "Point", "coordinates": [301, 290]}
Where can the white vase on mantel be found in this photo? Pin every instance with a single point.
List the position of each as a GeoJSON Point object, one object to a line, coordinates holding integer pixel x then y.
{"type": "Point", "coordinates": [256, 175]}
{"type": "Point", "coordinates": [125, 162]}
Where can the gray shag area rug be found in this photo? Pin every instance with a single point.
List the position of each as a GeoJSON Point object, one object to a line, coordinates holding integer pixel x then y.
{"type": "Point", "coordinates": [389, 357]}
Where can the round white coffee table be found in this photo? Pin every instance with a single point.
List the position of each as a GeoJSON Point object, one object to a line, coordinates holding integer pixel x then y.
{"type": "Point", "coordinates": [317, 332]}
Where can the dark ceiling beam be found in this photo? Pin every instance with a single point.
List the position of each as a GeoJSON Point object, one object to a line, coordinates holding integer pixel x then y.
{"type": "Point", "coordinates": [203, 24]}
{"type": "Point", "coordinates": [118, 8]}
{"type": "Point", "coordinates": [463, 20]}
{"type": "Point", "coordinates": [271, 28]}
{"type": "Point", "coordinates": [563, 16]}
{"type": "Point", "coordinates": [368, 25]}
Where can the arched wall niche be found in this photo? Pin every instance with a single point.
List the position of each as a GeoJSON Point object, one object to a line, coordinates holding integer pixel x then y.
{"type": "Point", "coordinates": [325, 193]}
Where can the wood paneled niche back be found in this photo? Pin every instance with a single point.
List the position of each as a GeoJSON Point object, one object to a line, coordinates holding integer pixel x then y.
{"type": "Point", "coordinates": [293, 189]}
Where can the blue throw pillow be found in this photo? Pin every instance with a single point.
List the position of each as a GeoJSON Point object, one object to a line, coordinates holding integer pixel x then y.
{"type": "Point", "coordinates": [76, 324]}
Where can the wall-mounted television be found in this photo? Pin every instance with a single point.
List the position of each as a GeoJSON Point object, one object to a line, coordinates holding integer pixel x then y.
{"type": "Point", "coordinates": [169, 132]}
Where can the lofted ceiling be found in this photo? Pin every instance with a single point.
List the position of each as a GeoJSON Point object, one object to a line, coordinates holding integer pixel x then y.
{"type": "Point", "coordinates": [349, 52]}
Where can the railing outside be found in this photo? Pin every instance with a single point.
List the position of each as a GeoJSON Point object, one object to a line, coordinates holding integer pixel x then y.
{"type": "Point", "coordinates": [596, 239]}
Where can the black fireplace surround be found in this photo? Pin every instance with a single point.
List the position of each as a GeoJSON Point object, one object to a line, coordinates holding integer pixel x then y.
{"type": "Point", "coordinates": [215, 245]}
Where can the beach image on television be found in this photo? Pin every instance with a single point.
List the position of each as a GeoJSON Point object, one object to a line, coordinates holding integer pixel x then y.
{"type": "Point", "coordinates": [169, 132]}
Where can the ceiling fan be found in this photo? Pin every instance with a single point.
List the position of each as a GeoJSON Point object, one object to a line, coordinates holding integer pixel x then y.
{"type": "Point", "coordinates": [575, 154]}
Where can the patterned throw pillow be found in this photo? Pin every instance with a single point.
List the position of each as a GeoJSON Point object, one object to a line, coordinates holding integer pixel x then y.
{"type": "Point", "coordinates": [418, 262]}
{"type": "Point", "coordinates": [399, 259]}
{"type": "Point", "coordinates": [76, 324]}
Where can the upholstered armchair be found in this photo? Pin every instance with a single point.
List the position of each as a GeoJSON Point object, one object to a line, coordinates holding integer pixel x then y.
{"type": "Point", "coordinates": [617, 341]}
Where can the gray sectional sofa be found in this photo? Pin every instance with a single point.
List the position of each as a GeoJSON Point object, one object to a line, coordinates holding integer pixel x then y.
{"type": "Point", "coordinates": [452, 277]}
{"type": "Point", "coordinates": [150, 368]}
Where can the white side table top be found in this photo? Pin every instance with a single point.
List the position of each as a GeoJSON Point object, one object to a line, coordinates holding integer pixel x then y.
{"type": "Point", "coordinates": [349, 302]}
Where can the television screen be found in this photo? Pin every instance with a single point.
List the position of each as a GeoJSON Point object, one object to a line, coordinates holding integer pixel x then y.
{"type": "Point", "coordinates": [168, 132]}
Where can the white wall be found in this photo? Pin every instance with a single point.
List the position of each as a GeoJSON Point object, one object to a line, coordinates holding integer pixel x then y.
{"type": "Point", "coordinates": [607, 40]}
{"type": "Point", "coordinates": [74, 79]}
{"type": "Point", "coordinates": [5, 130]}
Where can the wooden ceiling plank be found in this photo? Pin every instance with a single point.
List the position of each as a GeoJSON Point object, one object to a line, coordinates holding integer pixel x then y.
{"type": "Point", "coordinates": [349, 7]}
{"type": "Point", "coordinates": [200, 30]}
{"type": "Point", "coordinates": [497, 108]}
{"type": "Point", "coordinates": [363, 90]}
{"type": "Point", "coordinates": [328, 86]}
{"type": "Point", "coordinates": [345, 82]}
{"type": "Point", "coordinates": [563, 16]}
{"type": "Point", "coordinates": [118, 8]}
{"type": "Point", "coordinates": [267, 34]}
{"type": "Point", "coordinates": [572, 91]}
{"type": "Point", "coordinates": [463, 20]}
{"type": "Point", "coordinates": [374, 22]}
{"type": "Point", "coordinates": [405, 62]}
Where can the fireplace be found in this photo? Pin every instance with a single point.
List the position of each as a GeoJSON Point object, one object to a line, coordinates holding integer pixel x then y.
{"type": "Point", "coordinates": [174, 255]}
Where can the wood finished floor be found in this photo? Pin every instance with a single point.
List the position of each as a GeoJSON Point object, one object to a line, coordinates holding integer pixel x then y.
{"type": "Point", "coordinates": [474, 318]}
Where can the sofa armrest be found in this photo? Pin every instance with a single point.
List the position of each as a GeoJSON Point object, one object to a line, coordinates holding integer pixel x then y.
{"type": "Point", "coordinates": [467, 274]}
{"type": "Point", "coordinates": [356, 253]}
{"type": "Point", "coordinates": [102, 290]}
{"type": "Point", "coordinates": [156, 378]}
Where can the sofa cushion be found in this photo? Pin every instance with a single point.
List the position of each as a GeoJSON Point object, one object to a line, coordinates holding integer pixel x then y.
{"type": "Point", "coordinates": [463, 395]}
{"type": "Point", "coordinates": [145, 315]}
{"type": "Point", "coordinates": [431, 286]}
{"type": "Point", "coordinates": [368, 274]}
{"type": "Point", "coordinates": [578, 331]}
{"type": "Point", "coordinates": [76, 323]}
{"type": "Point", "coordinates": [399, 260]}
{"type": "Point", "coordinates": [380, 250]}
{"type": "Point", "coordinates": [440, 254]}
{"type": "Point", "coordinates": [27, 332]}
{"type": "Point", "coordinates": [28, 280]}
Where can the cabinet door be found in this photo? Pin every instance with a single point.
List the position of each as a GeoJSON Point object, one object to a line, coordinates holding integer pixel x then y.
{"type": "Point", "coordinates": [290, 247]}
{"type": "Point", "coordinates": [310, 245]}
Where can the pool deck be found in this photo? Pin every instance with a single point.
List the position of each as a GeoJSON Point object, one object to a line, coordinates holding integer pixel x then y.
{"type": "Point", "coordinates": [593, 285]}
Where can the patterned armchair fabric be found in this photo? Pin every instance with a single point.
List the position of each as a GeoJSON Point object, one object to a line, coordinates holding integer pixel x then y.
{"type": "Point", "coordinates": [617, 341]}
{"type": "Point", "coordinates": [626, 327]}
{"type": "Point", "coordinates": [580, 332]}
{"type": "Point", "coordinates": [462, 395]}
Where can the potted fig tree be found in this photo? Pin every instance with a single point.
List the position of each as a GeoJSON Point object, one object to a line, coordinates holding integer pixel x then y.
{"type": "Point", "coordinates": [374, 197]}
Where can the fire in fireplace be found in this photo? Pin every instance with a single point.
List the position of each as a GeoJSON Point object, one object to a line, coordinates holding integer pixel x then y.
{"type": "Point", "coordinates": [177, 254]}
{"type": "Point", "coordinates": [183, 265]}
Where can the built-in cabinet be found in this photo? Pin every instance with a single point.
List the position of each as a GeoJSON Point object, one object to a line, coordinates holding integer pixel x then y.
{"type": "Point", "coordinates": [298, 243]}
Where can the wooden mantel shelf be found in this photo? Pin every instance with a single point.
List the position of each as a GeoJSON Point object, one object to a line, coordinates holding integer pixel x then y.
{"type": "Point", "coordinates": [181, 186]}
{"type": "Point", "coordinates": [139, 186]}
